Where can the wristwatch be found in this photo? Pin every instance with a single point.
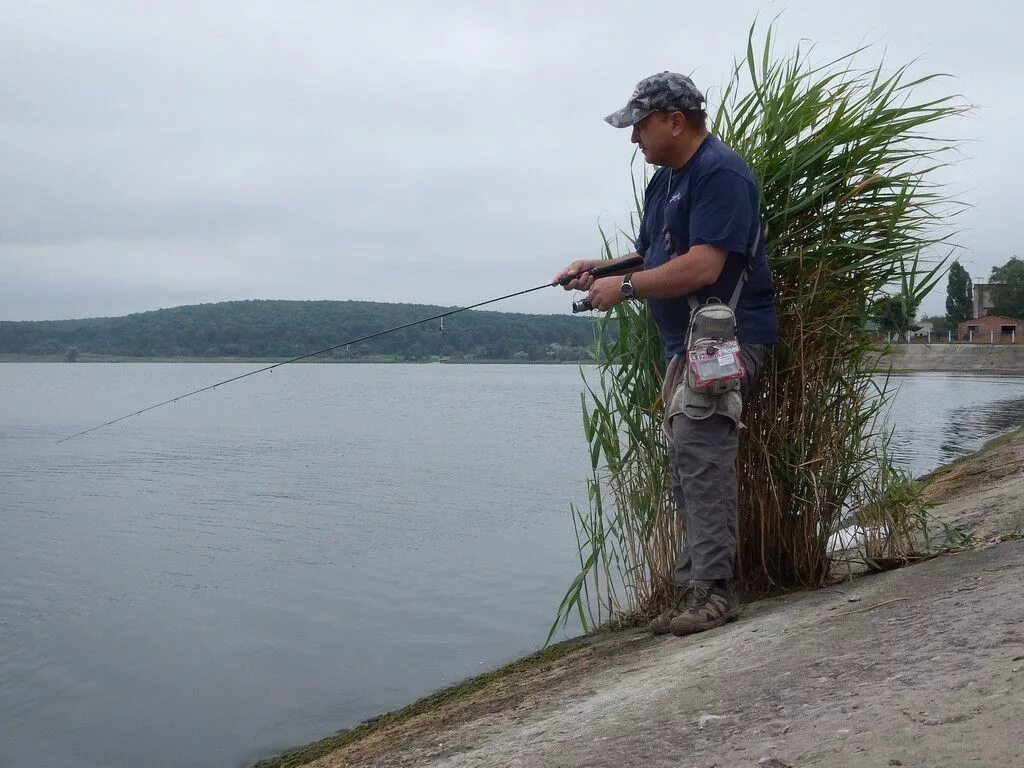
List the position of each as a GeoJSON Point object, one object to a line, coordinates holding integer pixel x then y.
{"type": "Point", "coordinates": [626, 289]}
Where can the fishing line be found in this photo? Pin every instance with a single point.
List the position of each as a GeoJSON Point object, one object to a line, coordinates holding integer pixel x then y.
{"type": "Point", "coordinates": [597, 272]}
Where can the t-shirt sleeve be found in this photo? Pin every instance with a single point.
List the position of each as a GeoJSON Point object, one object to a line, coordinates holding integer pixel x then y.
{"type": "Point", "coordinates": [722, 213]}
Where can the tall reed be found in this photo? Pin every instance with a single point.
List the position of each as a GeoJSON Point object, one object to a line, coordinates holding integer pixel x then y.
{"type": "Point", "coordinates": [847, 160]}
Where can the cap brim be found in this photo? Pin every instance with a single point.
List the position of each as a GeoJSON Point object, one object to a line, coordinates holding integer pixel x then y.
{"type": "Point", "coordinates": [627, 117]}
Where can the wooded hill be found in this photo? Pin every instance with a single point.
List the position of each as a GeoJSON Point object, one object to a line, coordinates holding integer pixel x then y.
{"type": "Point", "coordinates": [278, 329]}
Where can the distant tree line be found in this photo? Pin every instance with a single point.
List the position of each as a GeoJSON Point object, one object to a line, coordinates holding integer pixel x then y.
{"type": "Point", "coordinates": [277, 329]}
{"type": "Point", "coordinates": [1007, 296]}
{"type": "Point", "coordinates": [897, 313]}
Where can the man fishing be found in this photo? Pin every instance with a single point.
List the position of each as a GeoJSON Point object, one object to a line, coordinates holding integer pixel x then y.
{"type": "Point", "coordinates": [701, 240]}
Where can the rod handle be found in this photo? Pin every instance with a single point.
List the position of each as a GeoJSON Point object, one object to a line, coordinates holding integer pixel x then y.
{"type": "Point", "coordinates": [608, 269]}
{"type": "Point", "coordinates": [614, 269]}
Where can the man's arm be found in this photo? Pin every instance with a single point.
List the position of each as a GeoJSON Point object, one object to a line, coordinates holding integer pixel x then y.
{"type": "Point", "coordinates": [698, 268]}
{"type": "Point", "coordinates": [721, 220]}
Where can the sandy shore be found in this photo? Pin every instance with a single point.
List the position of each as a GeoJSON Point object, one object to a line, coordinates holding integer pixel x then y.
{"type": "Point", "coordinates": [922, 666]}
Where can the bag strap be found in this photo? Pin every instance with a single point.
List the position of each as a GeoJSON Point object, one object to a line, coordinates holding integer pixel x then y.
{"type": "Point", "coordinates": [735, 299]}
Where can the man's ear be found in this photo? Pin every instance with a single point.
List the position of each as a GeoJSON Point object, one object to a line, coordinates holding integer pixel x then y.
{"type": "Point", "coordinates": [678, 120]}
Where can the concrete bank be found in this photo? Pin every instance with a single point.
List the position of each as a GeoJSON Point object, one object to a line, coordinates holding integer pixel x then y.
{"type": "Point", "coordinates": [922, 666]}
{"type": "Point", "coordinates": [1005, 359]}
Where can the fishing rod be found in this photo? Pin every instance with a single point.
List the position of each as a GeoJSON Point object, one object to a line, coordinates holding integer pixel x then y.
{"type": "Point", "coordinates": [578, 306]}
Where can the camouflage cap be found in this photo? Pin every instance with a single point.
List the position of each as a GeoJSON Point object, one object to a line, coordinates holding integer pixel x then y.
{"type": "Point", "coordinates": [664, 92]}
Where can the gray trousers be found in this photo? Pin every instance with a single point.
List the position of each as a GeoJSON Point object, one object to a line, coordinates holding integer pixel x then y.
{"type": "Point", "coordinates": [702, 455]}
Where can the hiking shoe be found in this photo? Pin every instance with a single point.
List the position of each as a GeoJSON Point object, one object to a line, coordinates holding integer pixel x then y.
{"type": "Point", "coordinates": [660, 625]}
{"type": "Point", "coordinates": [709, 606]}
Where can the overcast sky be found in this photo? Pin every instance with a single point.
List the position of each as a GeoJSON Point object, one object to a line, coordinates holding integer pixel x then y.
{"type": "Point", "coordinates": [159, 154]}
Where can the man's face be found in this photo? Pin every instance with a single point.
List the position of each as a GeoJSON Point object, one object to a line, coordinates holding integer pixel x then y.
{"type": "Point", "coordinates": [656, 134]}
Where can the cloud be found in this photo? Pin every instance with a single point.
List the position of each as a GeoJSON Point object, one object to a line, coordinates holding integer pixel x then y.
{"type": "Point", "coordinates": [400, 151]}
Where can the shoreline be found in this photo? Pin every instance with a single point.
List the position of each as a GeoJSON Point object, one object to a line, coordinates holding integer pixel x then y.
{"type": "Point", "coordinates": [273, 360]}
{"type": "Point", "coordinates": [511, 709]}
{"type": "Point", "coordinates": [15, 359]}
{"type": "Point", "coordinates": [975, 359]}
{"type": "Point", "coordinates": [995, 359]}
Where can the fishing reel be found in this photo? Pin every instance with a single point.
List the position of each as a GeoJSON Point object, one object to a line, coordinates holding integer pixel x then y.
{"type": "Point", "coordinates": [584, 305]}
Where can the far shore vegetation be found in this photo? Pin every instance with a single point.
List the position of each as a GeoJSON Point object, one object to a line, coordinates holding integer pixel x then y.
{"type": "Point", "coordinates": [269, 330]}
{"type": "Point", "coordinates": [363, 359]}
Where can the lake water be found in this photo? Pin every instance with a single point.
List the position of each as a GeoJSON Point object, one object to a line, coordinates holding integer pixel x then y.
{"type": "Point", "coordinates": [263, 564]}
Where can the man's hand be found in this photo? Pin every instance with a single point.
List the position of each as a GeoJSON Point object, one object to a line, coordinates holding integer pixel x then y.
{"type": "Point", "coordinates": [580, 271]}
{"type": "Point", "coordinates": [605, 292]}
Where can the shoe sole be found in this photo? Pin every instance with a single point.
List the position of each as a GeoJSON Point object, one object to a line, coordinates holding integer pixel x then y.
{"type": "Point", "coordinates": [691, 629]}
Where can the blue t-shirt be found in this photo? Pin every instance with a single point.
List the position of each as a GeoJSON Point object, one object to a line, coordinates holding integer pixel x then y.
{"type": "Point", "coordinates": [712, 200]}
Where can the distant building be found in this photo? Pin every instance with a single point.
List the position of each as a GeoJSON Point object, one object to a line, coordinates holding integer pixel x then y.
{"type": "Point", "coordinates": [984, 297]}
{"type": "Point", "coordinates": [927, 327]}
{"type": "Point", "coordinates": [991, 329]}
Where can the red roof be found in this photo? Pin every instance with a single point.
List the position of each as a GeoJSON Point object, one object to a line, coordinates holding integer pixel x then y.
{"type": "Point", "coordinates": [993, 317]}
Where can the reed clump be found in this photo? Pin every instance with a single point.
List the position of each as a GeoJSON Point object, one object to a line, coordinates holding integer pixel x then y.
{"type": "Point", "coordinates": [848, 159]}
